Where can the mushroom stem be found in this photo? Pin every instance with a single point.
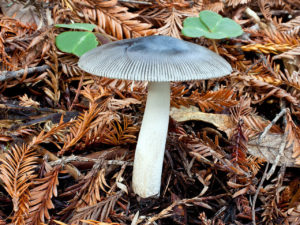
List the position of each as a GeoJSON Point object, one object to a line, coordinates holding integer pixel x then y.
{"type": "Point", "coordinates": [149, 153]}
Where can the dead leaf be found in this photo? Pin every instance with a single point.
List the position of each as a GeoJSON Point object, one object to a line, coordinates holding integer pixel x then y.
{"type": "Point", "coordinates": [268, 149]}
{"type": "Point", "coordinates": [221, 121]}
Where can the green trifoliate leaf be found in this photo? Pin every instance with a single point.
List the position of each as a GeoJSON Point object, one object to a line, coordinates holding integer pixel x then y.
{"type": "Point", "coordinates": [211, 25]}
{"type": "Point", "coordinates": [76, 42]}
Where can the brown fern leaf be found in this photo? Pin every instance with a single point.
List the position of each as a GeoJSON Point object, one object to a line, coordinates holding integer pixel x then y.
{"type": "Point", "coordinates": [235, 3]}
{"type": "Point", "coordinates": [90, 189]}
{"type": "Point", "coordinates": [41, 195]}
{"type": "Point", "coordinates": [99, 211]}
{"type": "Point", "coordinates": [172, 24]}
{"type": "Point", "coordinates": [266, 90]}
{"type": "Point", "coordinates": [202, 150]}
{"type": "Point", "coordinates": [293, 137]}
{"type": "Point", "coordinates": [254, 124]}
{"type": "Point", "coordinates": [215, 100]}
{"type": "Point", "coordinates": [80, 128]}
{"type": "Point", "coordinates": [269, 48]}
{"type": "Point", "coordinates": [94, 222]}
{"type": "Point", "coordinates": [119, 135]}
{"type": "Point", "coordinates": [265, 8]}
{"type": "Point", "coordinates": [117, 104]}
{"type": "Point", "coordinates": [99, 126]}
{"type": "Point", "coordinates": [112, 19]}
{"type": "Point", "coordinates": [270, 201]}
{"type": "Point", "coordinates": [177, 96]}
{"type": "Point", "coordinates": [272, 42]}
{"type": "Point", "coordinates": [214, 6]}
{"type": "Point", "coordinates": [239, 148]}
{"type": "Point", "coordinates": [291, 80]}
{"type": "Point", "coordinates": [17, 170]}
{"type": "Point", "coordinates": [11, 31]}
{"type": "Point", "coordinates": [291, 27]}
{"type": "Point", "coordinates": [134, 88]}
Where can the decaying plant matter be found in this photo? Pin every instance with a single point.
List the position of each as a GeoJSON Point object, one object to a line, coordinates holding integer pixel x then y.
{"type": "Point", "coordinates": [68, 138]}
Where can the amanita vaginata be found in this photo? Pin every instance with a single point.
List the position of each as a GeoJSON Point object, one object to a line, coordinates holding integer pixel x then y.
{"type": "Point", "coordinates": [158, 60]}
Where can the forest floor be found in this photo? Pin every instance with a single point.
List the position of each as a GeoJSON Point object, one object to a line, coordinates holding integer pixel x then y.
{"type": "Point", "coordinates": [68, 138]}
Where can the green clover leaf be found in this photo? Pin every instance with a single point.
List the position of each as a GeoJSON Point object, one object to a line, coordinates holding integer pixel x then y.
{"type": "Point", "coordinates": [211, 25]}
{"type": "Point", "coordinates": [76, 42]}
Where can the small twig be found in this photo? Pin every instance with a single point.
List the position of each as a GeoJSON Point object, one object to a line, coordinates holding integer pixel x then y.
{"type": "Point", "coordinates": [257, 192]}
{"type": "Point", "coordinates": [267, 128]}
{"type": "Point", "coordinates": [187, 202]}
{"type": "Point", "coordinates": [253, 15]}
{"type": "Point", "coordinates": [5, 75]}
{"type": "Point", "coordinates": [75, 173]}
{"type": "Point", "coordinates": [77, 92]}
{"type": "Point", "coordinates": [136, 2]}
{"type": "Point", "coordinates": [280, 152]}
{"type": "Point", "coordinates": [73, 158]}
{"type": "Point", "coordinates": [280, 12]}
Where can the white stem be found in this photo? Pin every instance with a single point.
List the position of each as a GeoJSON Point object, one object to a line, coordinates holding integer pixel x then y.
{"type": "Point", "coordinates": [149, 153]}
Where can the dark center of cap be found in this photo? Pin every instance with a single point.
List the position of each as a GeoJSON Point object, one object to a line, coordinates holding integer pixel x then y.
{"type": "Point", "coordinates": [154, 58]}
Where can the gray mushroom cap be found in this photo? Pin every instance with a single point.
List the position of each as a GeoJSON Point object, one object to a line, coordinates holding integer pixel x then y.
{"type": "Point", "coordinates": [154, 58]}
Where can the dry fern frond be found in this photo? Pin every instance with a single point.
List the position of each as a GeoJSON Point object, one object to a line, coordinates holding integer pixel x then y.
{"type": "Point", "coordinates": [81, 127]}
{"type": "Point", "coordinates": [53, 83]}
{"type": "Point", "coordinates": [293, 137]}
{"type": "Point", "coordinates": [214, 6]}
{"type": "Point", "coordinates": [265, 8]}
{"type": "Point", "coordinates": [234, 3]}
{"type": "Point", "coordinates": [291, 27]}
{"type": "Point", "coordinates": [270, 199]}
{"type": "Point", "coordinates": [215, 100]}
{"type": "Point", "coordinates": [202, 149]}
{"type": "Point", "coordinates": [115, 20]}
{"type": "Point", "coordinates": [17, 170]}
{"type": "Point", "coordinates": [266, 90]}
{"type": "Point", "coordinates": [177, 96]}
{"type": "Point", "coordinates": [90, 189]}
{"type": "Point", "coordinates": [11, 31]}
{"type": "Point", "coordinates": [117, 104]}
{"type": "Point", "coordinates": [117, 134]}
{"type": "Point", "coordinates": [99, 211]}
{"type": "Point", "coordinates": [239, 146]}
{"type": "Point", "coordinates": [41, 195]}
{"type": "Point", "coordinates": [291, 54]}
{"type": "Point", "coordinates": [252, 123]}
{"type": "Point", "coordinates": [17, 174]}
{"type": "Point", "coordinates": [28, 102]}
{"type": "Point", "coordinates": [94, 222]}
{"type": "Point", "coordinates": [272, 42]}
{"type": "Point", "coordinates": [172, 24]}
{"type": "Point", "coordinates": [267, 48]}
{"type": "Point", "coordinates": [291, 80]}
{"type": "Point", "coordinates": [99, 126]}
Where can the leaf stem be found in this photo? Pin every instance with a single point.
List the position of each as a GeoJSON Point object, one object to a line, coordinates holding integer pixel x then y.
{"type": "Point", "coordinates": [215, 46]}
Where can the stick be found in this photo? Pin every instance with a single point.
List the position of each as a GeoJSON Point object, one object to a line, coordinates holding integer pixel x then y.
{"type": "Point", "coordinates": [5, 75]}
{"type": "Point", "coordinates": [267, 128]}
{"type": "Point", "coordinates": [257, 192]}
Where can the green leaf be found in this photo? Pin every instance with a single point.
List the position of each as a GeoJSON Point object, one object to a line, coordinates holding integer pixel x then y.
{"type": "Point", "coordinates": [79, 26]}
{"type": "Point", "coordinates": [76, 42]}
{"type": "Point", "coordinates": [229, 27]}
{"type": "Point", "coordinates": [210, 19]}
{"type": "Point", "coordinates": [211, 25]}
{"type": "Point", "coordinates": [192, 27]}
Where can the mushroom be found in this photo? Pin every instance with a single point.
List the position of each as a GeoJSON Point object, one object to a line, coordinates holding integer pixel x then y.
{"type": "Point", "coordinates": [158, 60]}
